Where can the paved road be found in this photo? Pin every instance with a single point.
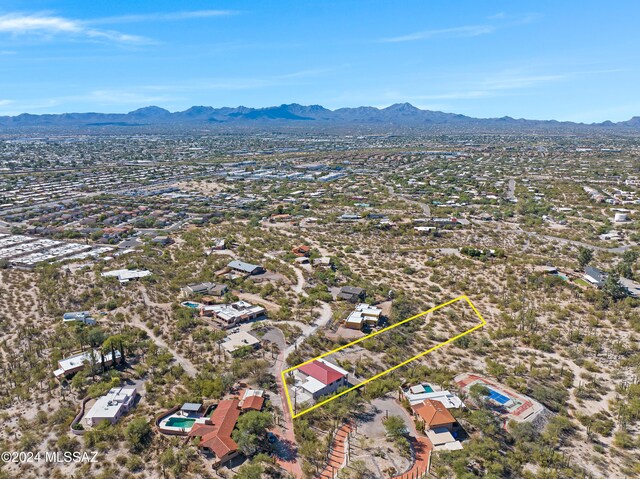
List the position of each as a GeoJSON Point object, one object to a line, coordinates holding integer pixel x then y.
{"type": "Point", "coordinates": [514, 228]}
{"type": "Point", "coordinates": [616, 250]}
{"type": "Point", "coordinates": [426, 209]}
{"type": "Point", "coordinates": [307, 330]}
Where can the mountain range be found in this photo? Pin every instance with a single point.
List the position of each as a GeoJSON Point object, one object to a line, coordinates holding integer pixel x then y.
{"type": "Point", "coordinates": [397, 115]}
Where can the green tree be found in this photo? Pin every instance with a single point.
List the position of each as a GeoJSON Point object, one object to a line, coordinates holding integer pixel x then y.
{"type": "Point", "coordinates": [250, 471]}
{"type": "Point", "coordinates": [139, 434]}
{"type": "Point", "coordinates": [251, 431]}
{"type": "Point", "coordinates": [585, 255]}
{"type": "Point", "coordinates": [612, 287]}
{"type": "Point", "coordinates": [395, 427]}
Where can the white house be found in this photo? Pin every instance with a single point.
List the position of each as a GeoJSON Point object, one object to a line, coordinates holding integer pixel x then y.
{"type": "Point", "coordinates": [363, 315]}
{"type": "Point", "coordinates": [238, 340]}
{"type": "Point", "coordinates": [126, 275]}
{"type": "Point", "coordinates": [418, 393]}
{"type": "Point", "coordinates": [110, 407]}
{"type": "Point", "coordinates": [318, 379]}
{"type": "Point", "coordinates": [81, 316]}
{"type": "Point", "coordinates": [75, 363]}
{"type": "Point", "coordinates": [233, 313]}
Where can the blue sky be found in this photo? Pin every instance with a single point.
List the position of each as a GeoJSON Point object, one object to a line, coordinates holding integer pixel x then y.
{"type": "Point", "coordinates": [567, 60]}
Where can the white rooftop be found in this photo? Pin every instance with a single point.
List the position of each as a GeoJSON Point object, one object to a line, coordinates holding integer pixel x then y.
{"type": "Point", "coordinates": [125, 275]}
{"type": "Point", "coordinates": [417, 394]}
{"type": "Point", "coordinates": [108, 406]}
{"type": "Point", "coordinates": [238, 340]}
{"type": "Point", "coordinates": [72, 362]}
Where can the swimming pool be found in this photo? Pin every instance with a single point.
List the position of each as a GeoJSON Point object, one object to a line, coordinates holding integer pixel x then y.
{"type": "Point", "coordinates": [189, 304]}
{"type": "Point", "coordinates": [497, 397]}
{"type": "Point", "coordinates": [181, 422]}
{"type": "Point", "coordinates": [427, 388]}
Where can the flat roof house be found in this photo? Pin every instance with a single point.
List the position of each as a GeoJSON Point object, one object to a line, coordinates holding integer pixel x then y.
{"type": "Point", "coordinates": [111, 406]}
{"type": "Point", "coordinates": [246, 268]}
{"type": "Point", "coordinates": [238, 340]}
{"type": "Point", "coordinates": [198, 288]}
{"type": "Point", "coordinates": [234, 313]}
{"type": "Point", "coordinates": [75, 363]}
{"type": "Point", "coordinates": [319, 378]}
{"type": "Point", "coordinates": [80, 316]}
{"type": "Point", "coordinates": [419, 392]}
{"type": "Point", "coordinates": [126, 275]}
{"type": "Point", "coordinates": [215, 434]}
{"type": "Point", "coordinates": [323, 262]}
{"type": "Point", "coordinates": [363, 315]}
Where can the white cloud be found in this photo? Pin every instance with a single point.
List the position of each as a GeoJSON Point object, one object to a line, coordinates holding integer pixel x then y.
{"type": "Point", "coordinates": [50, 25]}
{"type": "Point", "coordinates": [464, 31]}
{"type": "Point", "coordinates": [498, 21]}
{"type": "Point", "coordinates": [162, 16]}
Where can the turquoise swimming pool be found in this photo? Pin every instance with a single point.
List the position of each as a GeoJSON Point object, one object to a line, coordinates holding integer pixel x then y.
{"type": "Point", "coordinates": [189, 304]}
{"type": "Point", "coordinates": [181, 422]}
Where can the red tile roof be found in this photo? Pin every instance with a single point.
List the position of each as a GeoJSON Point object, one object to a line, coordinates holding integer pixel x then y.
{"type": "Point", "coordinates": [252, 402]}
{"type": "Point", "coordinates": [322, 372]}
{"type": "Point", "coordinates": [217, 435]}
{"type": "Point", "coordinates": [433, 413]}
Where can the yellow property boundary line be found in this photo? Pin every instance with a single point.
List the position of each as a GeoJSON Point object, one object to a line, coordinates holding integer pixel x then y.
{"type": "Point", "coordinates": [369, 336]}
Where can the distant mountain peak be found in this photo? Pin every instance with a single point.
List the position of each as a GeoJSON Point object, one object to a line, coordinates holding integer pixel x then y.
{"type": "Point", "coordinates": [403, 107]}
{"type": "Point", "coordinates": [150, 110]}
{"type": "Point", "coordinates": [398, 115]}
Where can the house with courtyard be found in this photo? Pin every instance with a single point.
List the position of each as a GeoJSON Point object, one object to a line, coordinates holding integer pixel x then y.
{"type": "Point", "coordinates": [215, 432]}
{"type": "Point", "coordinates": [234, 313]}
